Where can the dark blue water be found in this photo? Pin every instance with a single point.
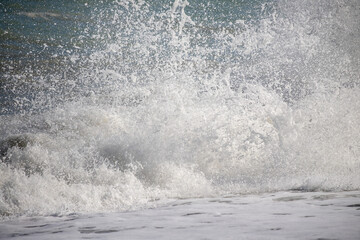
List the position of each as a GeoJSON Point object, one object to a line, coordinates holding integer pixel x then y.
{"type": "Point", "coordinates": [41, 38]}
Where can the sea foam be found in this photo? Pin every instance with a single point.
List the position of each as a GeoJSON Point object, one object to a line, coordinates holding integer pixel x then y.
{"type": "Point", "coordinates": [173, 105]}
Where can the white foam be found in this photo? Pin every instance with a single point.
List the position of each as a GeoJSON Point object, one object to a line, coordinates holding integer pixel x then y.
{"type": "Point", "coordinates": [281, 215]}
{"type": "Point", "coordinates": [146, 119]}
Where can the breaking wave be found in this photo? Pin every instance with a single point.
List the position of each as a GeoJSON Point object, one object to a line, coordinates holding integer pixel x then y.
{"type": "Point", "coordinates": [178, 100]}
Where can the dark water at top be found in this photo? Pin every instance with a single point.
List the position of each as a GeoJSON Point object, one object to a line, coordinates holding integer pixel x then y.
{"type": "Point", "coordinates": [43, 38]}
{"type": "Point", "coordinates": [33, 31]}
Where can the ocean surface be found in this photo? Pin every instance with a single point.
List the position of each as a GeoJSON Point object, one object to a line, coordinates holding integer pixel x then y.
{"type": "Point", "coordinates": [115, 105]}
{"type": "Point", "coordinates": [265, 216]}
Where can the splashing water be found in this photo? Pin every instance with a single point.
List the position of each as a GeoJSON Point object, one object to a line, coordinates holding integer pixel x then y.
{"type": "Point", "coordinates": [182, 99]}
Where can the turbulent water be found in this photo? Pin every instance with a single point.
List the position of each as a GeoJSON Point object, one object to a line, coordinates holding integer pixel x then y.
{"type": "Point", "coordinates": [114, 105]}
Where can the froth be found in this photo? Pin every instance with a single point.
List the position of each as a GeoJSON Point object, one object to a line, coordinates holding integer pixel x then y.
{"type": "Point", "coordinates": [172, 108]}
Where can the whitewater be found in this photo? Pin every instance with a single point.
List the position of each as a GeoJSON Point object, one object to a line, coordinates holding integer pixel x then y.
{"type": "Point", "coordinates": [190, 116]}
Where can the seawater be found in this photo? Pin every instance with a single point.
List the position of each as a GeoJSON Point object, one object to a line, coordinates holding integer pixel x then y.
{"type": "Point", "coordinates": [114, 105]}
